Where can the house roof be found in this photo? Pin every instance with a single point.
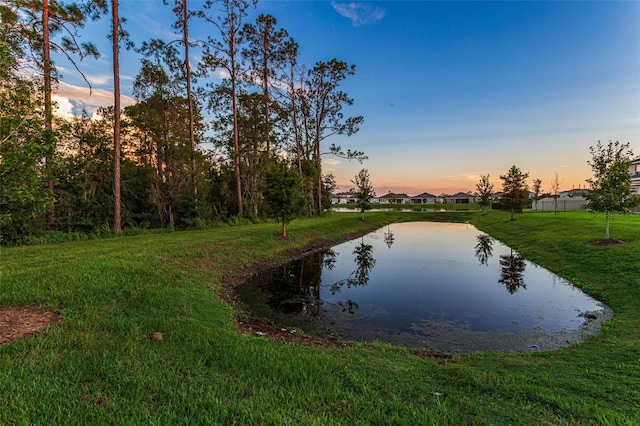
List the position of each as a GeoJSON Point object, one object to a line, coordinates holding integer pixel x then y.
{"type": "Point", "coordinates": [425, 195]}
{"type": "Point", "coordinates": [392, 195]}
{"type": "Point", "coordinates": [575, 191]}
{"type": "Point", "coordinates": [461, 195]}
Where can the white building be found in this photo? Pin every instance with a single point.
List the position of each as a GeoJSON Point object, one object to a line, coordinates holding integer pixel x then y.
{"type": "Point", "coordinates": [425, 198]}
{"type": "Point", "coordinates": [392, 198]}
{"type": "Point", "coordinates": [634, 170]}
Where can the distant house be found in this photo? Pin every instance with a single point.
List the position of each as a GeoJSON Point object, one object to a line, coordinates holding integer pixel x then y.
{"type": "Point", "coordinates": [343, 198]}
{"type": "Point", "coordinates": [393, 198]}
{"type": "Point", "coordinates": [385, 199]}
{"type": "Point", "coordinates": [634, 171]}
{"type": "Point", "coordinates": [425, 198]}
{"type": "Point", "coordinates": [575, 192]}
{"type": "Point", "coordinates": [460, 198]}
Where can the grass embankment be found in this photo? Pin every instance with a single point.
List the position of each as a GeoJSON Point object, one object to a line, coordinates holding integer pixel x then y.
{"type": "Point", "coordinates": [100, 365]}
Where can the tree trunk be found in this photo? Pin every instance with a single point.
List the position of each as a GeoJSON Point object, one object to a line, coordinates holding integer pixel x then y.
{"type": "Point", "coordinates": [255, 193]}
{"type": "Point", "coordinates": [319, 170]}
{"type": "Point", "coordinates": [606, 226]}
{"type": "Point", "coordinates": [284, 227]}
{"type": "Point", "coordinates": [265, 94]}
{"type": "Point", "coordinates": [294, 118]}
{"type": "Point", "coordinates": [187, 72]}
{"type": "Point", "coordinates": [48, 108]}
{"type": "Point", "coordinates": [236, 131]}
{"type": "Point", "coordinates": [172, 221]}
{"type": "Point", "coordinates": [117, 224]}
{"type": "Point", "coordinates": [236, 149]}
{"type": "Point", "coordinates": [167, 166]}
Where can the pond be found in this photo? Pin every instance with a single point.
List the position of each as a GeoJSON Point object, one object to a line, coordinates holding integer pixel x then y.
{"type": "Point", "coordinates": [444, 287]}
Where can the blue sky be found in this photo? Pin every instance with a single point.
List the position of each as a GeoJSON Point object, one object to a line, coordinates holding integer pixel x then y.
{"type": "Point", "coordinates": [448, 90]}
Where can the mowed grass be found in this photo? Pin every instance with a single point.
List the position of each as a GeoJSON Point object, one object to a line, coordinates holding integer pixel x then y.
{"type": "Point", "coordinates": [100, 365]}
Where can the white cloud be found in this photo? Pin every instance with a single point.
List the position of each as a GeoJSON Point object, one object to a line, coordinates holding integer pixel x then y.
{"type": "Point", "coordinates": [94, 80]}
{"type": "Point", "coordinates": [330, 164]}
{"type": "Point", "coordinates": [75, 100]}
{"type": "Point", "coordinates": [222, 74]}
{"type": "Point", "coordinates": [359, 13]}
{"type": "Point", "coordinates": [464, 177]}
{"type": "Point", "coordinates": [97, 97]}
{"type": "Point", "coordinates": [98, 80]}
{"type": "Point", "coordinates": [64, 107]}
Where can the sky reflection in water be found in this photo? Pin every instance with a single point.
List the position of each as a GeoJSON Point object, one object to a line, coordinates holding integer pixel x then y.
{"type": "Point", "coordinates": [438, 286]}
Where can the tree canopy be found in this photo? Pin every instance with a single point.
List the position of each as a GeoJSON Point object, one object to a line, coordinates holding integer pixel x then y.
{"type": "Point", "coordinates": [516, 191]}
{"type": "Point", "coordinates": [247, 97]}
{"type": "Point", "coordinates": [610, 184]}
{"type": "Point", "coordinates": [283, 194]}
{"type": "Point", "coordinates": [484, 189]}
{"type": "Point", "coordinates": [364, 191]}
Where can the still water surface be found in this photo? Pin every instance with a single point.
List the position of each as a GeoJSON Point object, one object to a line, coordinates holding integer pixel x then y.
{"type": "Point", "coordinates": [426, 285]}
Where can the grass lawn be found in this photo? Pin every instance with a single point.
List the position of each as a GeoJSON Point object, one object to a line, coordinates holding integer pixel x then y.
{"type": "Point", "coordinates": [100, 366]}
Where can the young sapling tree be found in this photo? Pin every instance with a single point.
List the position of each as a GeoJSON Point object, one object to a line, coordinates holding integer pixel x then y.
{"type": "Point", "coordinates": [364, 191]}
{"type": "Point", "coordinates": [611, 182]}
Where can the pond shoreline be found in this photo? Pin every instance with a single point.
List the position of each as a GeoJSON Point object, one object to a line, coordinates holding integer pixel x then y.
{"type": "Point", "coordinates": [440, 336]}
{"type": "Point", "coordinates": [261, 327]}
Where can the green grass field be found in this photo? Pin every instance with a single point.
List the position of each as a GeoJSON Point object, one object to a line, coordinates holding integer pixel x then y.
{"type": "Point", "coordinates": [100, 365]}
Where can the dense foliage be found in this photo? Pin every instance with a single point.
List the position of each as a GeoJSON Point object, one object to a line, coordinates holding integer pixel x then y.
{"type": "Point", "coordinates": [192, 150]}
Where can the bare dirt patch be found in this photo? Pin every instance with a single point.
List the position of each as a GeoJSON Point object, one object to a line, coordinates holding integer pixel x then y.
{"type": "Point", "coordinates": [17, 322]}
{"type": "Point", "coordinates": [259, 327]}
{"type": "Point", "coordinates": [606, 242]}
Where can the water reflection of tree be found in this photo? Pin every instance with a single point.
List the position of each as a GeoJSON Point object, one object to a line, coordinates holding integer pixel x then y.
{"type": "Point", "coordinates": [349, 306]}
{"type": "Point", "coordinates": [484, 248]}
{"type": "Point", "coordinates": [295, 287]}
{"type": "Point", "coordinates": [329, 259]}
{"type": "Point", "coordinates": [364, 264]}
{"type": "Point", "coordinates": [511, 274]}
{"type": "Point", "coordinates": [389, 238]}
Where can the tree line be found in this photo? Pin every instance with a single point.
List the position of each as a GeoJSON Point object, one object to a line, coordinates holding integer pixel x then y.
{"type": "Point", "coordinates": [610, 189]}
{"type": "Point", "coordinates": [267, 121]}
